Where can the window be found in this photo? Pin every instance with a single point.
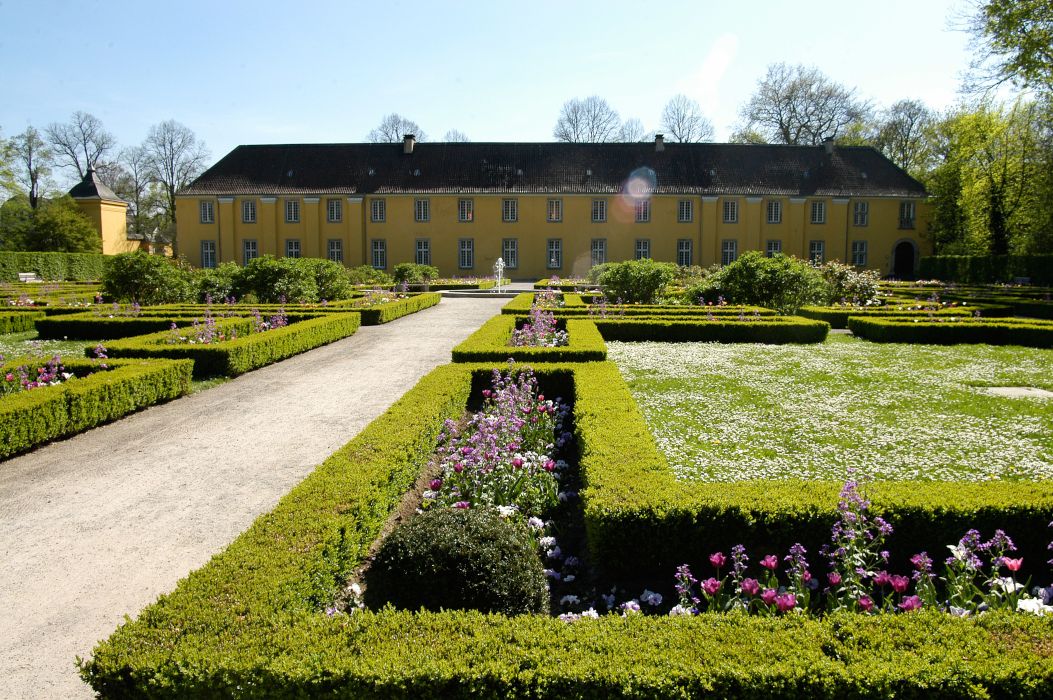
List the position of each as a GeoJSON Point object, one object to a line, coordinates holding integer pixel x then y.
{"type": "Point", "coordinates": [683, 252]}
{"type": "Point", "coordinates": [555, 210]}
{"type": "Point", "coordinates": [421, 210]}
{"type": "Point", "coordinates": [250, 250]}
{"type": "Point", "coordinates": [772, 248]}
{"type": "Point", "coordinates": [818, 212]}
{"type": "Point", "coordinates": [555, 253]}
{"type": "Point", "coordinates": [208, 213]}
{"type": "Point", "coordinates": [248, 211]}
{"type": "Point", "coordinates": [774, 211]}
{"type": "Point", "coordinates": [335, 250]}
{"type": "Point", "coordinates": [466, 253]}
{"type": "Point", "coordinates": [599, 211]}
{"type": "Point", "coordinates": [378, 210]}
{"type": "Point", "coordinates": [510, 252]}
{"type": "Point", "coordinates": [859, 253]}
{"type": "Point", "coordinates": [509, 210]}
{"type": "Point", "coordinates": [292, 247]}
{"type": "Point", "coordinates": [729, 252]}
{"type": "Point", "coordinates": [599, 251]}
{"type": "Point", "coordinates": [642, 249]}
{"type": "Point", "coordinates": [292, 211]}
{"type": "Point", "coordinates": [379, 249]}
{"type": "Point", "coordinates": [465, 210]}
{"type": "Point", "coordinates": [208, 253]}
{"type": "Point", "coordinates": [817, 252]}
{"type": "Point", "coordinates": [334, 210]}
{"type": "Point", "coordinates": [643, 211]}
{"type": "Point", "coordinates": [423, 256]}
{"type": "Point", "coordinates": [731, 211]}
{"type": "Point", "coordinates": [906, 214]}
{"type": "Point", "coordinates": [860, 214]}
{"type": "Point", "coordinates": [685, 211]}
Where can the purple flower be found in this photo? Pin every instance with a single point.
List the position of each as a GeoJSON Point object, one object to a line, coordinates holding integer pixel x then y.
{"type": "Point", "coordinates": [711, 586]}
{"type": "Point", "coordinates": [834, 578]}
{"type": "Point", "coordinates": [750, 586]}
{"type": "Point", "coordinates": [882, 579]}
{"type": "Point", "coordinates": [785, 602]}
{"type": "Point", "coordinates": [435, 484]}
{"type": "Point", "coordinates": [462, 504]}
{"type": "Point", "coordinates": [899, 583]}
{"type": "Point", "coordinates": [865, 603]}
{"type": "Point", "coordinates": [909, 603]}
{"type": "Point", "coordinates": [768, 596]}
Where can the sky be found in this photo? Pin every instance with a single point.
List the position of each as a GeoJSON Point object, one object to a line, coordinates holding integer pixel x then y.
{"type": "Point", "coordinates": [311, 72]}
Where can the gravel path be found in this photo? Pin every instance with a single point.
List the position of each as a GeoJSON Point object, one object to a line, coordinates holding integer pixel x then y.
{"type": "Point", "coordinates": [97, 526]}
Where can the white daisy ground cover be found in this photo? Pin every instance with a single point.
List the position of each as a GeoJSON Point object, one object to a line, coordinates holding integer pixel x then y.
{"type": "Point", "coordinates": [729, 412]}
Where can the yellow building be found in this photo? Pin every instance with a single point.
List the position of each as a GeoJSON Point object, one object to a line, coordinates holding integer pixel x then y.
{"type": "Point", "coordinates": [107, 212]}
{"type": "Point", "coordinates": [552, 208]}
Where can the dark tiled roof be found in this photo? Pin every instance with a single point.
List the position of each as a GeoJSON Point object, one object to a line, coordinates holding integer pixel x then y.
{"type": "Point", "coordinates": [91, 187]}
{"type": "Point", "coordinates": [697, 168]}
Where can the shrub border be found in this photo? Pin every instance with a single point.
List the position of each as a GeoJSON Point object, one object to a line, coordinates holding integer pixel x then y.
{"type": "Point", "coordinates": [775, 329]}
{"type": "Point", "coordinates": [19, 321]}
{"type": "Point", "coordinates": [1028, 333]}
{"type": "Point", "coordinates": [490, 344]}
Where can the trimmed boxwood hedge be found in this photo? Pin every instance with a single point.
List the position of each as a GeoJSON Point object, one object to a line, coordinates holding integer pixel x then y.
{"type": "Point", "coordinates": [490, 344]}
{"type": "Point", "coordinates": [774, 329]}
{"type": "Point", "coordinates": [837, 316]}
{"type": "Point", "coordinates": [249, 623]}
{"type": "Point", "coordinates": [576, 305]}
{"type": "Point", "coordinates": [383, 313]}
{"type": "Point", "coordinates": [972, 269]}
{"type": "Point", "coordinates": [86, 267]}
{"type": "Point", "coordinates": [30, 418]}
{"type": "Point", "coordinates": [1036, 334]}
{"type": "Point", "coordinates": [19, 321]}
{"type": "Point", "coordinates": [246, 352]}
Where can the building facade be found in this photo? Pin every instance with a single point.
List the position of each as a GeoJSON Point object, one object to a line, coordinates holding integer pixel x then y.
{"type": "Point", "coordinates": [107, 212]}
{"type": "Point", "coordinates": [552, 208]}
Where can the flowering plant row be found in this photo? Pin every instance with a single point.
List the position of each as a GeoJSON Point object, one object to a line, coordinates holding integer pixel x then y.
{"type": "Point", "coordinates": [539, 331]}
{"type": "Point", "coordinates": [22, 378]}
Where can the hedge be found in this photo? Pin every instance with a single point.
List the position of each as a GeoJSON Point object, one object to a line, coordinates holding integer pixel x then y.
{"type": "Point", "coordinates": [776, 329]}
{"type": "Point", "coordinates": [520, 304]}
{"type": "Point", "coordinates": [1035, 334]}
{"type": "Point", "coordinates": [575, 305]}
{"type": "Point", "coordinates": [490, 344]}
{"type": "Point", "coordinates": [18, 321]}
{"type": "Point", "coordinates": [383, 313]}
{"type": "Point", "coordinates": [563, 286]}
{"type": "Point", "coordinates": [81, 267]}
{"type": "Point", "coordinates": [246, 352]}
{"type": "Point", "coordinates": [972, 269]}
{"type": "Point", "coordinates": [837, 316]}
{"type": "Point", "coordinates": [440, 285]}
{"type": "Point", "coordinates": [30, 418]}
{"type": "Point", "coordinates": [249, 623]}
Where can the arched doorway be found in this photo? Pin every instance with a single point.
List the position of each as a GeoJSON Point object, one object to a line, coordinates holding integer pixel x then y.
{"type": "Point", "coordinates": [903, 256]}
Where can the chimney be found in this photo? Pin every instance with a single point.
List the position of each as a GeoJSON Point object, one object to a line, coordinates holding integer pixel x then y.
{"type": "Point", "coordinates": [659, 142]}
{"type": "Point", "coordinates": [408, 142]}
{"type": "Point", "coordinates": [828, 144]}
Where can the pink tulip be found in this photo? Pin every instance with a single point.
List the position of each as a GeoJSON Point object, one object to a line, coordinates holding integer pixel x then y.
{"type": "Point", "coordinates": [1013, 564]}
{"type": "Point", "coordinates": [899, 583]}
{"type": "Point", "coordinates": [711, 586]}
{"type": "Point", "coordinates": [750, 586]}
{"type": "Point", "coordinates": [768, 596]}
{"type": "Point", "coordinates": [717, 559]}
{"type": "Point", "coordinates": [785, 601]}
{"type": "Point", "coordinates": [866, 604]}
{"type": "Point", "coordinates": [834, 578]}
{"type": "Point", "coordinates": [910, 603]}
{"type": "Point", "coordinates": [770, 562]}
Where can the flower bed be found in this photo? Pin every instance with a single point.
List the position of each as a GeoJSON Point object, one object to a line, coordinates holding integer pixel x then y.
{"type": "Point", "coordinates": [247, 351]}
{"type": "Point", "coordinates": [113, 389]}
{"type": "Point", "coordinates": [1009, 331]}
{"type": "Point", "coordinates": [19, 321]}
{"type": "Point", "coordinates": [490, 344]}
{"type": "Point", "coordinates": [378, 312]}
{"type": "Point", "coordinates": [837, 316]}
{"type": "Point", "coordinates": [760, 329]}
{"type": "Point", "coordinates": [438, 285]}
{"type": "Point", "coordinates": [576, 305]}
{"type": "Point", "coordinates": [252, 618]}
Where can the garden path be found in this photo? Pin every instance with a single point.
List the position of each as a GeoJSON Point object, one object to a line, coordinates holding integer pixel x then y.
{"type": "Point", "coordinates": [97, 526]}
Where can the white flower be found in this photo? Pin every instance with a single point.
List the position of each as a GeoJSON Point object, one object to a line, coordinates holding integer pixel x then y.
{"type": "Point", "coordinates": [535, 523]}
{"type": "Point", "coordinates": [356, 589]}
{"type": "Point", "coordinates": [591, 612]}
{"type": "Point", "coordinates": [569, 600]}
{"type": "Point", "coordinates": [570, 617]}
{"type": "Point", "coordinates": [552, 573]}
{"type": "Point", "coordinates": [1007, 584]}
{"type": "Point", "coordinates": [429, 495]}
{"type": "Point", "coordinates": [679, 610]}
{"type": "Point", "coordinates": [507, 511]}
{"type": "Point", "coordinates": [555, 553]}
{"type": "Point", "coordinates": [1034, 606]}
{"type": "Point", "coordinates": [547, 542]}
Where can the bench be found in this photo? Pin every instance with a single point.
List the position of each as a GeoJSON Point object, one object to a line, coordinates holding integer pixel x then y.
{"type": "Point", "coordinates": [29, 277]}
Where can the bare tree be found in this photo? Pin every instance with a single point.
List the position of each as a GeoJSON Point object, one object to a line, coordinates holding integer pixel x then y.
{"type": "Point", "coordinates": [901, 134]}
{"type": "Point", "coordinates": [393, 128]}
{"type": "Point", "coordinates": [683, 119]}
{"type": "Point", "coordinates": [80, 143]}
{"type": "Point", "coordinates": [31, 163]}
{"type": "Point", "coordinates": [801, 106]}
{"type": "Point", "coordinates": [455, 136]}
{"type": "Point", "coordinates": [591, 120]}
{"type": "Point", "coordinates": [174, 157]}
{"type": "Point", "coordinates": [632, 131]}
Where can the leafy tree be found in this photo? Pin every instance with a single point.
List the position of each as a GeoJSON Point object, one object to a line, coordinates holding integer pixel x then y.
{"type": "Point", "coordinates": [682, 118]}
{"type": "Point", "coordinates": [58, 225]}
{"type": "Point", "coordinates": [393, 128]}
{"type": "Point", "coordinates": [636, 281]}
{"type": "Point", "coordinates": [799, 105]}
{"type": "Point", "coordinates": [80, 143]}
{"type": "Point", "coordinates": [747, 135]}
{"type": "Point", "coordinates": [173, 158]}
{"type": "Point", "coordinates": [779, 282]}
{"type": "Point", "coordinates": [16, 220]}
{"type": "Point", "coordinates": [148, 279]}
{"type": "Point", "coordinates": [32, 164]}
{"type": "Point", "coordinates": [1015, 44]}
{"type": "Point", "coordinates": [591, 120]}
{"type": "Point", "coordinates": [414, 274]}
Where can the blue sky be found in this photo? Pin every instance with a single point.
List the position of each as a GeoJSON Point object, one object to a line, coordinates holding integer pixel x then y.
{"type": "Point", "coordinates": [261, 72]}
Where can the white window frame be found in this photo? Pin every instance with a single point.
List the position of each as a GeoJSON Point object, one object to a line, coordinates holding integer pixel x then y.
{"type": "Point", "coordinates": [509, 210]}
{"type": "Point", "coordinates": [292, 211]}
{"type": "Point", "coordinates": [334, 250]}
{"type": "Point", "coordinates": [248, 211]}
{"type": "Point", "coordinates": [642, 248]}
{"type": "Point", "coordinates": [378, 253]}
{"type": "Point", "coordinates": [729, 251]}
{"type": "Point", "coordinates": [466, 253]}
{"type": "Point", "coordinates": [378, 210]}
{"type": "Point", "coordinates": [907, 213]}
{"type": "Point", "coordinates": [818, 210]}
{"type": "Point", "coordinates": [208, 254]}
{"type": "Point", "coordinates": [685, 211]}
{"type": "Point", "coordinates": [598, 251]}
{"type": "Point", "coordinates": [817, 252]}
{"type": "Point", "coordinates": [292, 248]}
{"type": "Point", "coordinates": [334, 210]}
{"type": "Point", "coordinates": [510, 252]}
{"type": "Point", "coordinates": [599, 211]}
{"type": "Point", "coordinates": [554, 253]}
{"type": "Point", "coordinates": [207, 211]}
{"type": "Point", "coordinates": [861, 214]}
{"type": "Point", "coordinates": [465, 213]}
{"type": "Point", "coordinates": [859, 253]}
{"type": "Point", "coordinates": [642, 208]}
{"type": "Point", "coordinates": [250, 250]}
{"type": "Point", "coordinates": [684, 252]}
{"type": "Point", "coordinates": [422, 251]}
{"type": "Point", "coordinates": [422, 210]}
{"type": "Point", "coordinates": [554, 213]}
{"type": "Point", "coordinates": [774, 211]}
{"type": "Point", "coordinates": [772, 247]}
{"type": "Point", "coordinates": [731, 211]}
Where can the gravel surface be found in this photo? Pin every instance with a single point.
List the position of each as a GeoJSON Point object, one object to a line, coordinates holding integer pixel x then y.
{"type": "Point", "coordinates": [96, 527]}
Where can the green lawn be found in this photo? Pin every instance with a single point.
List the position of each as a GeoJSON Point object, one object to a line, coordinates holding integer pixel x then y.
{"type": "Point", "coordinates": [891, 411]}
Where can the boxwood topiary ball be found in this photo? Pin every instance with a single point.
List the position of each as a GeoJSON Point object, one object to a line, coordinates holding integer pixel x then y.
{"type": "Point", "coordinates": [471, 559]}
